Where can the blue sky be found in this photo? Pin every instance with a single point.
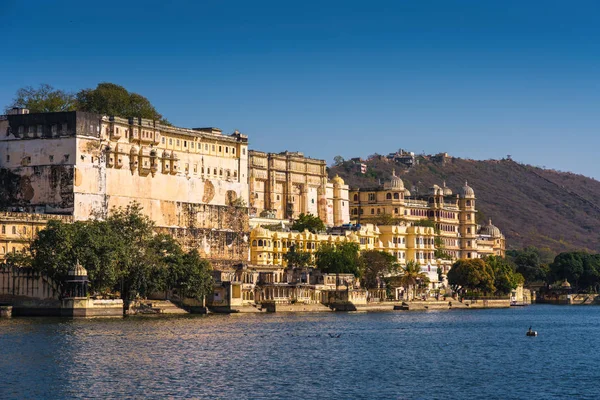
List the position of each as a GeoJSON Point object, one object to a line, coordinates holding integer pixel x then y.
{"type": "Point", "coordinates": [477, 79]}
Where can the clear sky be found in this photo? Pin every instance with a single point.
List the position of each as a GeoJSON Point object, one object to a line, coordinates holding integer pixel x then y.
{"type": "Point", "coordinates": [477, 79]}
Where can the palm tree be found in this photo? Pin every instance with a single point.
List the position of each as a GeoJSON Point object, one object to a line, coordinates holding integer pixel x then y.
{"type": "Point", "coordinates": [412, 276]}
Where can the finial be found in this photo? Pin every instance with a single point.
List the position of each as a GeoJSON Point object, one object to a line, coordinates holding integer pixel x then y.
{"type": "Point", "coordinates": [466, 184]}
{"type": "Point", "coordinates": [444, 183]}
{"type": "Point", "coordinates": [490, 221]}
{"type": "Point", "coordinates": [394, 172]}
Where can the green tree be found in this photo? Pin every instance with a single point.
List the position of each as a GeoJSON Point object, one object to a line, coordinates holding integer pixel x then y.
{"type": "Point", "coordinates": [412, 276]}
{"type": "Point", "coordinates": [376, 267]}
{"type": "Point", "coordinates": [300, 259]}
{"type": "Point", "coordinates": [44, 98]}
{"type": "Point", "coordinates": [581, 269]}
{"type": "Point", "coordinates": [505, 277]}
{"type": "Point", "coordinates": [338, 160]}
{"type": "Point", "coordinates": [309, 222]}
{"type": "Point", "coordinates": [340, 258]}
{"type": "Point", "coordinates": [111, 99]}
{"type": "Point", "coordinates": [531, 262]}
{"type": "Point", "coordinates": [473, 274]}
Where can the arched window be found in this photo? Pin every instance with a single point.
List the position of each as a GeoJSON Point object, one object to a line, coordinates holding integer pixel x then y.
{"type": "Point", "coordinates": [372, 211]}
{"type": "Point", "coordinates": [395, 211]}
{"type": "Point", "coordinates": [388, 196]}
{"type": "Point", "coordinates": [354, 211]}
{"type": "Point", "coordinates": [396, 196]}
{"type": "Point", "coordinates": [468, 203]}
{"type": "Point", "coordinates": [260, 243]}
{"type": "Point", "coordinates": [355, 197]}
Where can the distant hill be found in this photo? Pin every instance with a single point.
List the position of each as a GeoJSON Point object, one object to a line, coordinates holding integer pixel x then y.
{"type": "Point", "coordinates": [532, 206]}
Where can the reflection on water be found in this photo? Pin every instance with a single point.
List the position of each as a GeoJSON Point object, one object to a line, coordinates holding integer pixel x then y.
{"type": "Point", "coordinates": [450, 354]}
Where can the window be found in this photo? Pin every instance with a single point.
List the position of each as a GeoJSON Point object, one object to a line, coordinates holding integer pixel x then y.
{"type": "Point", "coordinates": [206, 147]}
{"type": "Point", "coordinates": [355, 197]}
{"type": "Point", "coordinates": [388, 196]}
{"type": "Point", "coordinates": [54, 129]}
{"type": "Point", "coordinates": [192, 145]}
{"type": "Point", "coordinates": [395, 211]}
{"type": "Point", "coordinates": [220, 149]}
{"type": "Point", "coordinates": [66, 157]}
{"type": "Point", "coordinates": [170, 141]}
{"type": "Point", "coordinates": [185, 143]}
{"type": "Point", "coordinates": [213, 147]}
{"type": "Point", "coordinates": [51, 158]}
{"type": "Point", "coordinates": [233, 150]}
{"type": "Point", "coordinates": [244, 151]}
{"type": "Point", "coordinates": [469, 217]}
{"type": "Point", "coordinates": [8, 158]}
{"type": "Point", "coordinates": [14, 230]}
{"type": "Point", "coordinates": [396, 196]}
{"type": "Point", "coordinates": [162, 140]}
{"type": "Point", "coordinates": [372, 211]}
{"type": "Point", "coordinates": [371, 196]}
{"type": "Point", "coordinates": [21, 129]}
{"type": "Point", "coordinates": [226, 149]}
{"type": "Point", "coordinates": [3, 229]}
{"type": "Point", "coordinates": [177, 142]}
{"type": "Point", "coordinates": [468, 203]}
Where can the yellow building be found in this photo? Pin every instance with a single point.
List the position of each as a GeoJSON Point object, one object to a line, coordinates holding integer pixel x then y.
{"type": "Point", "coordinates": [18, 230]}
{"type": "Point", "coordinates": [454, 216]}
{"type": "Point", "coordinates": [284, 185]}
{"type": "Point", "coordinates": [403, 242]}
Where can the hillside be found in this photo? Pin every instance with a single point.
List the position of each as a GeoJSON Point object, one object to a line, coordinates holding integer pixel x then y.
{"type": "Point", "coordinates": [532, 206]}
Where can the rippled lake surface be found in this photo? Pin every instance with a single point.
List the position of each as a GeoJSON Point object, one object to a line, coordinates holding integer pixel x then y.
{"type": "Point", "coordinates": [435, 355]}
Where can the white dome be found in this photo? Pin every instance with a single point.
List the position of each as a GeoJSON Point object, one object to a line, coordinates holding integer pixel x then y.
{"type": "Point", "coordinates": [490, 230]}
{"type": "Point", "coordinates": [395, 183]}
{"type": "Point", "coordinates": [467, 191]}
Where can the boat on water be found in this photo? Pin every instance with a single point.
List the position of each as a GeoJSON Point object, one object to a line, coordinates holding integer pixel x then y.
{"type": "Point", "coordinates": [531, 332]}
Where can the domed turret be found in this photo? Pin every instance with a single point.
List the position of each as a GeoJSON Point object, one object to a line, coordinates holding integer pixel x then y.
{"type": "Point", "coordinates": [77, 270]}
{"type": "Point", "coordinates": [337, 180]}
{"type": "Point", "coordinates": [447, 191]}
{"type": "Point", "coordinates": [490, 230]}
{"type": "Point", "coordinates": [406, 193]}
{"type": "Point", "coordinates": [395, 183]}
{"type": "Point", "coordinates": [467, 191]}
{"type": "Point", "coordinates": [260, 232]}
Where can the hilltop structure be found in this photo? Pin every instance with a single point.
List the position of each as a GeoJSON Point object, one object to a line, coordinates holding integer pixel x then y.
{"type": "Point", "coordinates": [452, 215]}
{"type": "Point", "coordinates": [191, 182]}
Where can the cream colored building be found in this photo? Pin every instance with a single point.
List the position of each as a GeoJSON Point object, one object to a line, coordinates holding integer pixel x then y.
{"type": "Point", "coordinates": [191, 182]}
{"type": "Point", "coordinates": [453, 215]}
{"type": "Point", "coordinates": [284, 185]}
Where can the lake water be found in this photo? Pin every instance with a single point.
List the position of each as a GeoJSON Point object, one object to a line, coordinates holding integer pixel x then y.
{"type": "Point", "coordinates": [426, 355]}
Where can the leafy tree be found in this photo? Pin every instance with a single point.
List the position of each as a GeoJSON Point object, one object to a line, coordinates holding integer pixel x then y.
{"type": "Point", "coordinates": [505, 277]}
{"type": "Point", "coordinates": [473, 274]}
{"type": "Point", "coordinates": [341, 258]}
{"type": "Point", "coordinates": [412, 276]}
{"type": "Point", "coordinates": [338, 160]}
{"type": "Point", "coordinates": [529, 263]}
{"type": "Point", "coordinates": [121, 254]}
{"type": "Point", "coordinates": [581, 269]}
{"type": "Point", "coordinates": [376, 266]}
{"type": "Point", "coordinates": [44, 98]}
{"type": "Point", "coordinates": [309, 222]}
{"type": "Point", "coordinates": [111, 99]}
{"type": "Point", "coordinates": [300, 259]}
{"type": "Point", "coordinates": [387, 219]}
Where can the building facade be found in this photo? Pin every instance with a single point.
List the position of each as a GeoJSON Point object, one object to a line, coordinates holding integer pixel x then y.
{"type": "Point", "coordinates": [452, 215]}
{"type": "Point", "coordinates": [285, 185]}
{"type": "Point", "coordinates": [18, 230]}
{"type": "Point", "coordinates": [191, 182]}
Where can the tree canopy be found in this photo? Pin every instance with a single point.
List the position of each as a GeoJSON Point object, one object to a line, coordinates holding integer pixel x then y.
{"type": "Point", "coordinates": [44, 98]}
{"type": "Point", "coordinates": [111, 99]}
{"type": "Point", "coordinates": [300, 259]}
{"type": "Point", "coordinates": [376, 266]}
{"type": "Point", "coordinates": [121, 254]}
{"type": "Point", "coordinates": [473, 274]}
{"type": "Point", "coordinates": [339, 258]}
{"type": "Point", "coordinates": [309, 222]}
{"type": "Point", "coordinates": [107, 98]}
{"type": "Point", "coordinates": [581, 269]}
